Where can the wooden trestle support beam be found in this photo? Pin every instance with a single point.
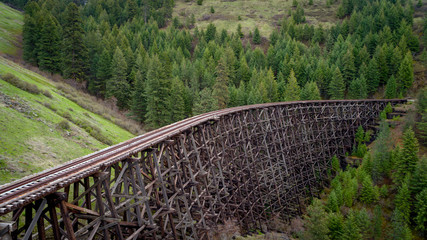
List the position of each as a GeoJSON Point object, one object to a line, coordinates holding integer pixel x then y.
{"type": "Point", "coordinates": [245, 165]}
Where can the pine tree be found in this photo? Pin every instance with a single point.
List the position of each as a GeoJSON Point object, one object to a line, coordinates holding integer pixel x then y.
{"type": "Point", "coordinates": [117, 85]}
{"type": "Point", "coordinates": [310, 91]}
{"type": "Point", "coordinates": [210, 32]}
{"type": "Point", "coordinates": [257, 36]}
{"type": "Point", "coordinates": [419, 178]}
{"type": "Point", "coordinates": [292, 90]}
{"type": "Point", "coordinates": [31, 31]}
{"type": "Point", "coordinates": [373, 79]}
{"type": "Point", "coordinates": [332, 203]}
{"type": "Point", "coordinates": [139, 100]}
{"type": "Point", "coordinates": [349, 70]}
{"type": "Point", "coordinates": [74, 50]}
{"type": "Point", "coordinates": [205, 102]}
{"type": "Point", "coordinates": [377, 222]}
{"type": "Point", "coordinates": [157, 91]}
{"type": "Point", "coordinates": [220, 88]}
{"type": "Point", "coordinates": [421, 211]}
{"type": "Point", "coordinates": [402, 200]}
{"type": "Point", "coordinates": [316, 222]}
{"type": "Point", "coordinates": [391, 88]}
{"type": "Point", "coordinates": [350, 229]}
{"type": "Point", "coordinates": [400, 229]}
{"type": "Point", "coordinates": [48, 46]}
{"type": "Point", "coordinates": [408, 157]}
{"type": "Point", "coordinates": [358, 88]}
{"type": "Point", "coordinates": [335, 164]}
{"type": "Point", "coordinates": [335, 226]}
{"type": "Point", "coordinates": [363, 222]}
{"type": "Point", "coordinates": [176, 101]}
{"type": "Point", "coordinates": [367, 194]}
{"type": "Point", "coordinates": [405, 75]}
{"type": "Point", "coordinates": [337, 85]}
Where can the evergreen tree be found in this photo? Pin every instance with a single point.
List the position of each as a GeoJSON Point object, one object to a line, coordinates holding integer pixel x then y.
{"type": "Point", "coordinates": [176, 101]}
{"type": "Point", "coordinates": [421, 211]}
{"type": "Point", "coordinates": [316, 222]}
{"type": "Point", "coordinates": [402, 200]}
{"type": "Point", "coordinates": [220, 89]}
{"type": "Point", "coordinates": [31, 31]}
{"type": "Point", "coordinates": [337, 85]}
{"type": "Point", "coordinates": [377, 222]}
{"type": "Point", "coordinates": [400, 229]}
{"type": "Point", "coordinates": [48, 46]}
{"type": "Point", "coordinates": [139, 100]}
{"type": "Point", "coordinates": [349, 70]}
{"type": "Point", "coordinates": [373, 79]}
{"type": "Point", "coordinates": [391, 88]}
{"type": "Point", "coordinates": [310, 92]}
{"type": "Point", "coordinates": [205, 102]}
{"type": "Point", "coordinates": [257, 36]}
{"type": "Point", "coordinates": [292, 90]}
{"type": "Point", "coordinates": [210, 32]}
{"type": "Point", "coordinates": [367, 194]}
{"type": "Point", "coordinates": [405, 75]}
{"type": "Point", "coordinates": [335, 164]}
{"type": "Point", "coordinates": [118, 86]}
{"type": "Point", "coordinates": [332, 203]}
{"type": "Point", "coordinates": [408, 157]}
{"type": "Point", "coordinates": [157, 91]}
{"type": "Point", "coordinates": [335, 226]}
{"type": "Point", "coordinates": [358, 88]}
{"type": "Point", "coordinates": [74, 50]}
{"type": "Point", "coordinates": [363, 222]}
{"type": "Point", "coordinates": [419, 178]}
{"type": "Point", "coordinates": [350, 229]}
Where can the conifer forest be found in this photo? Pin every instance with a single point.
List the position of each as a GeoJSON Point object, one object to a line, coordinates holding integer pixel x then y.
{"type": "Point", "coordinates": [158, 67]}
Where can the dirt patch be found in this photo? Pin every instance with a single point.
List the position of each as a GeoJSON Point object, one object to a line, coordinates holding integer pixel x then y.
{"type": "Point", "coordinates": [18, 104]}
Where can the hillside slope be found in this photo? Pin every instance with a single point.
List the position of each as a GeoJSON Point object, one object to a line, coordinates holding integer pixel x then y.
{"type": "Point", "coordinates": [44, 123]}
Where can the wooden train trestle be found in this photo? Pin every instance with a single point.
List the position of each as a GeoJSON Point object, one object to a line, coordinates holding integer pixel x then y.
{"type": "Point", "coordinates": [244, 163]}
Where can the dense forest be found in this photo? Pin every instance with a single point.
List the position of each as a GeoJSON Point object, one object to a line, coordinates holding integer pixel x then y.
{"type": "Point", "coordinates": [164, 70]}
{"type": "Point", "coordinates": [385, 197]}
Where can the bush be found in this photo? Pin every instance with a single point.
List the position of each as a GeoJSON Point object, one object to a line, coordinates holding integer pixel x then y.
{"type": "Point", "coordinates": [47, 94]}
{"type": "Point", "coordinates": [199, 2]}
{"type": "Point", "coordinates": [212, 10]}
{"type": "Point", "coordinates": [23, 85]}
{"type": "Point", "coordinates": [64, 125]}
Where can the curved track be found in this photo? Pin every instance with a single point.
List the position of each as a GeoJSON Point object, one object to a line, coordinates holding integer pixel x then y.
{"type": "Point", "coordinates": [28, 189]}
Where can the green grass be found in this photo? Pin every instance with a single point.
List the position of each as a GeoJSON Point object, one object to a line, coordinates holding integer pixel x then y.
{"type": "Point", "coordinates": [265, 14]}
{"type": "Point", "coordinates": [11, 22]}
{"type": "Point", "coordinates": [31, 138]}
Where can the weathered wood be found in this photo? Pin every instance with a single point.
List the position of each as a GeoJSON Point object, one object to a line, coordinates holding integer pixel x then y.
{"type": "Point", "coordinates": [245, 166]}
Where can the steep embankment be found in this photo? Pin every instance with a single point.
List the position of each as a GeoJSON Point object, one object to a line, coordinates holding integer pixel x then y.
{"type": "Point", "coordinates": [44, 123]}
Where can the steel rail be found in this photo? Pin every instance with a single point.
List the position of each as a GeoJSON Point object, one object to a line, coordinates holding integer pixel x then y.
{"type": "Point", "coordinates": [21, 192]}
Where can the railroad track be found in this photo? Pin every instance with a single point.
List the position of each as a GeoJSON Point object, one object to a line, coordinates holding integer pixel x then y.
{"type": "Point", "coordinates": [21, 192]}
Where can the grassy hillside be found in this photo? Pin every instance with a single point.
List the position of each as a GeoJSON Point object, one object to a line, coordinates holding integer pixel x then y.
{"type": "Point", "coordinates": [11, 22]}
{"type": "Point", "coordinates": [44, 123]}
{"type": "Point", "coordinates": [44, 128]}
{"type": "Point", "coordinates": [265, 14]}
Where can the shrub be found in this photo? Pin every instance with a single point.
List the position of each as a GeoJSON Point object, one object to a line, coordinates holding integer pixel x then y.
{"type": "Point", "coordinates": [23, 85]}
{"type": "Point", "coordinates": [64, 125]}
{"type": "Point", "coordinates": [199, 2]}
{"type": "Point", "coordinates": [212, 10]}
{"type": "Point", "coordinates": [47, 93]}
{"type": "Point", "coordinates": [67, 115]}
